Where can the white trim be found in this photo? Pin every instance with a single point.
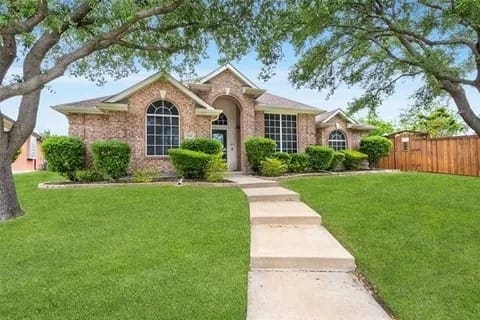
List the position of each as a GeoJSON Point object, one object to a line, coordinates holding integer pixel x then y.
{"type": "Point", "coordinates": [129, 91]}
{"type": "Point", "coordinates": [279, 109]}
{"type": "Point", "coordinates": [77, 109]}
{"type": "Point", "coordinates": [281, 133]}
{"type": "Point", "coordinates": [255, 92]}
{"type": "Point", "coordinates": [232, 69]}
{"type": "Point", "coordinates": [208, 112]}
{"type": "Point", "coordinates": [343, 114]}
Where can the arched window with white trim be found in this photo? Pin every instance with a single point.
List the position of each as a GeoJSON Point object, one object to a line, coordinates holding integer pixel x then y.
{"type": "Point", "coordinates": [221, 121]}
{"type": "Point", "coordinates": [162, 129]}
{"type": "Point", "coordinates": [337, 140]}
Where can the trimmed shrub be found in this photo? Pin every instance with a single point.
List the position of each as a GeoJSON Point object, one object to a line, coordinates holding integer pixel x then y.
{"type": "Point", "coordinates": [215, 170]}
{"type": "Point", "coordinates": [375, 147]}
{"type": "Point", "coordinates": [272, 167]}
{"type": "Point", "coordinates": [145, 175]}
{"type": "Point", "coordinates": [337, 160]}
{"type": "Point", "coordinates": [299, 163]}
{"type": "Point", "coordinates": [111, 157]}
{"type": "Point", "coordinates": [258, 149]}
{"type": "Point", "coordinates": [320, 157]}
{"type": "Point", "coordinates": [89, 175]}
{"type": "Point", "coordinates": [208, 146]}
{"type": "Point", "coordinates": [353, 159]}
{"type": "Point", "coordinates": [64, 155]}
{"type": "Point", "coordinates": [284, 157]}
{"type": "Point", "coordinates": [189, 164]}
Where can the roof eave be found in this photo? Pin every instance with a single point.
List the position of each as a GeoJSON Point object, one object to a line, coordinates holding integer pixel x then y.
{"type": "Point", "coordinates": [283, 109]}
{"type": "Point", "coordinates": [66, 110]}
{"type": "Point", "coordinates": [254, 92]}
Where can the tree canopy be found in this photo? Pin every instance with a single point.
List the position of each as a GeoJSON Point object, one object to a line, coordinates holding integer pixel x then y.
{"type": "Point", "coordinates": [437, 121]}
{"type": "Point", "coordinates": [101, 38]}
{"type": "Point", "coordinates": [376, 44]}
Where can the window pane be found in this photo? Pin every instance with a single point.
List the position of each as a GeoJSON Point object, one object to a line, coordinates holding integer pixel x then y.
{"type": "Point", "coordinates": [162, 129]}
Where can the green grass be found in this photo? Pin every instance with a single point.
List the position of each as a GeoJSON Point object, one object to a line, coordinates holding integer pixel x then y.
{"type": "Point", "coordinates": [125, 253]}
{"type": "Point", "coordinates": [416, 237]}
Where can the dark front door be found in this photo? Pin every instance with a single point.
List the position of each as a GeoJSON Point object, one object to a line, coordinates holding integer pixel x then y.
{"type": "Point", "coordinates": [221, 135]}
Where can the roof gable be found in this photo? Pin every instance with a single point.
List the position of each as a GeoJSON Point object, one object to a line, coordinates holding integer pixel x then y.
{"type": "Point", "coordinates": [157, 76]}
{"type": "Point", "coordinates": [232, 69]}
{"type": "Point", "coordinates": [327, 116]}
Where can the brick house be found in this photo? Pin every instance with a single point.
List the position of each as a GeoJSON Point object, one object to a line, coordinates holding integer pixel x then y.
{"type": "Point", "coordinates": [159, 112]}
{"type": "Point", "coordinates": [31, 156]}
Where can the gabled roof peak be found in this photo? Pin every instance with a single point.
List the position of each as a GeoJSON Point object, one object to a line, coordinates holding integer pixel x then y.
{"type": "Point", "coordinates": [232, 69]}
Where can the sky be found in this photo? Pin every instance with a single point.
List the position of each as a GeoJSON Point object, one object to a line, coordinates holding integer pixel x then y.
{"type": "Point", "coordinates": [69, 89]}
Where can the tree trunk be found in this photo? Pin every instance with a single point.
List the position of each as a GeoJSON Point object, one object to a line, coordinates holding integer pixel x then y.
{"type": "Point", "coordinates": [9, 206]}
{"type": "Point", "coordinates": [463, 105]}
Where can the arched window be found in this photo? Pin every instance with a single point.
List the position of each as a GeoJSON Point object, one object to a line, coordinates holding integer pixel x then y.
{"type": "Point", "coordinates": [163, 130]}
{"type": "Point", "coordinates": [337, 140]}
{"type": "Point", "coordinates": [221, 121]}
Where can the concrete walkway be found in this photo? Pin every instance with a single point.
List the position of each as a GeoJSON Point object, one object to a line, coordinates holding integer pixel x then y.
{"type": "Point", "coordinates": [298, 270]}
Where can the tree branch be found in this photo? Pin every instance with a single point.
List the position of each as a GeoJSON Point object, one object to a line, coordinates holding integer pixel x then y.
{"type": "Point", "coordinates": [30, 23]}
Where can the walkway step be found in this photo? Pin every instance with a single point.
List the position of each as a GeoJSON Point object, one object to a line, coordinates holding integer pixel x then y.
{"type": "Point", "coordinates": [301, 247]}
{"type": "Point", "coordinates": [270, 194]}
{"type": "Point", "coordinates": [252, 182]}
{"type": "Point", "coordinates": [310, 295]}
{"type": "Point", "coordinates": [282, 212]}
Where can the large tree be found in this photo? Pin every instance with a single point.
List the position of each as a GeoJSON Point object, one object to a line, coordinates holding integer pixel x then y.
{"type": "Point", "coordinates": [104, 38]}
{"type": "Point", "coordinates": [376, 43]}
{"type": "Point", "coordinates": [437, 121]}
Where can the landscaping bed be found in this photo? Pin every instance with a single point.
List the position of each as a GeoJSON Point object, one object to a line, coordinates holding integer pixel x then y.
{"type": "Point", "coordinates": [415, 237]}
{"type": "Point", "coordinates": [125, 253]}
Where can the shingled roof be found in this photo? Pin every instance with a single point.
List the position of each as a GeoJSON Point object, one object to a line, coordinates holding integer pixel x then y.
{"type": "Point", "coordinates": [272, 100]}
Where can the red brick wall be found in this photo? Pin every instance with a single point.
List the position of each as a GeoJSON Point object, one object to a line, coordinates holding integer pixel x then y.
{"type": "Point", "coordinates": [353, 136]}
{"type": "Point", "coordinates": [130, 126]}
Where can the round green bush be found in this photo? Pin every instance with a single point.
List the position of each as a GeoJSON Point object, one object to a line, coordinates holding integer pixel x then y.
{"type": "Point", "coordinates": [216, 168]}
{"type": "Point", "coordinates": [375, 147]}
{"type": "Point", "coordinates": [338, 158]}
{"type": "Point", "coordinates": [258, 149]}
{"type": "Point", "coordinates": [205, 145]}
{"type": "Point", "coordinates": [299, 163]}
{"type": "Point", "coordinates": [190, 164]}
{"type": "Point", "coordinates": [320, 157]}
{"type": "Point", "coordinates": [111, 157]}
{"type": "Point", "coordinates": [272, 167]}
{"type": "Point", "coordinates": [353, 159]}
{"type": "Point", "coordinates": [283, 156]}
{"type": "Point", "coordinates": [64, 155]}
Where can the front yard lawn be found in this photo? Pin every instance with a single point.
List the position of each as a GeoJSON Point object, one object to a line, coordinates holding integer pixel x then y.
{"type": "Point", "coordinates": [125, 253]}
{"type": "Point", "coordinates": [416, 237]}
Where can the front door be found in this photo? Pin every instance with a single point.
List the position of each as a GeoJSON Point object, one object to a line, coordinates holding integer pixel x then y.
{"type": "Point", "coordinates": [221, 136]}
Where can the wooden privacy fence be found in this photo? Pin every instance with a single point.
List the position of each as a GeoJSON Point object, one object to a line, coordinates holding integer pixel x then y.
{"type": "Point", "coordinates": [418, 152]}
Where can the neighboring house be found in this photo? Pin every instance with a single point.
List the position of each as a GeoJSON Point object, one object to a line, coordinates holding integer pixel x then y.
{"type": "Point", "coordinates": [31, 156]}
{"type": "Point", "coordinates": [159, 112]}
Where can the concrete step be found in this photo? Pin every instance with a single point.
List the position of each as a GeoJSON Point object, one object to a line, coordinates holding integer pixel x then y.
{"type": "Point", "coordinates": [270, 194]}
{"type": "Point", "coordinates": [310, 295]}
{"type": "Point", "coordinates": [300, 247]}
{"type": "Point", "coordinates": [282, 212]}
{"type": "Point", "coordinates": [252, 182]}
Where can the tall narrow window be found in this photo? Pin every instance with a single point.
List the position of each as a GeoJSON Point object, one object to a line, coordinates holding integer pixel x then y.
{"type": "Point", "coordinates": [283, 129]}
{"type": "Point", "coordinates": [163, 130]}
{"type": "Point", "coordinates": [337, 140]}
